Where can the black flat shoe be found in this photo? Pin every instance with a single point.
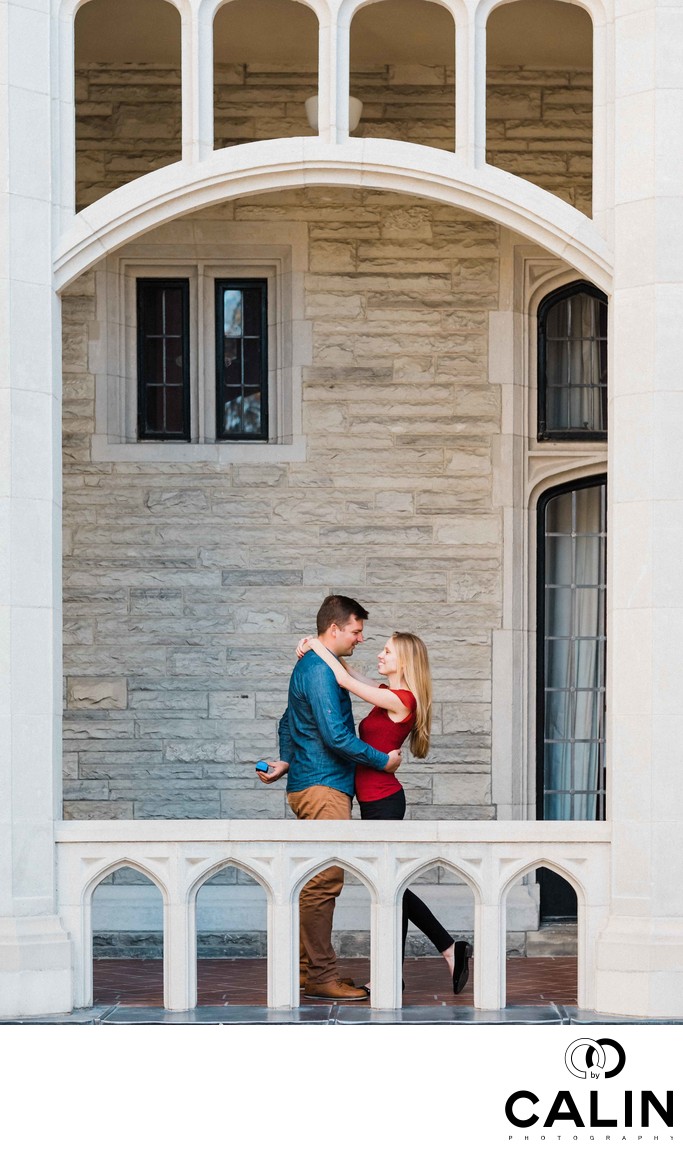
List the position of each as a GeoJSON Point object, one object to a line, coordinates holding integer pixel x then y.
{"type": "Point", "coordinates": [462, 954]}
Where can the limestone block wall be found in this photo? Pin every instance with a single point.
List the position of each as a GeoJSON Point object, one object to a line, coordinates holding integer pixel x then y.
{"type": "Point", "coordinates": [539, 126]}
{"type": "Point", "coordinates": [538, 123]}
{"type": "Point", "coordinates": [128, 123]}
{"type": "Point", "coordinates": [186, 585]}
{"type": "Point", "coordinates": [261, 102]}
{"type": "Point", "coordinates": [409, 102]}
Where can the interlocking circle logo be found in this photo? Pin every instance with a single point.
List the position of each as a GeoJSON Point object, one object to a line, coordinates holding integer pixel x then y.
{"type": "Point", "coordinates": [594, 1052]}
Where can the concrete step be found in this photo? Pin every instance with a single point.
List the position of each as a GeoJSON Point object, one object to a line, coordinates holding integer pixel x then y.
{"type": "Point", "coordinates": [554, 938]}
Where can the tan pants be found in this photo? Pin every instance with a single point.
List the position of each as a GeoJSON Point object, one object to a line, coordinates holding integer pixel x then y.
{"type": "Point", "coordinates": [317, 900]}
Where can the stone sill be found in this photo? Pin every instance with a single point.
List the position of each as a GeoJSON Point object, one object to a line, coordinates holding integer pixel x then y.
{"type": "Point", "coordinates": [290, 830]}
{"type": "Point", "coordinates": [144, 452]}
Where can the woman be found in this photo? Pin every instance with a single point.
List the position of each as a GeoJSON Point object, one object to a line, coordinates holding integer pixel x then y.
{"type": "Point", "coordinates": [401, 707]}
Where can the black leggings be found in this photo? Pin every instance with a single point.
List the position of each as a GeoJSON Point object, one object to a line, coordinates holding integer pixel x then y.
{"type": "Point", "coordinates": [393, 807]}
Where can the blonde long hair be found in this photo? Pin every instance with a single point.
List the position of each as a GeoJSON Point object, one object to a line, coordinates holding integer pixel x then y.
{"type": "Point", "coordinates": [413, 664]}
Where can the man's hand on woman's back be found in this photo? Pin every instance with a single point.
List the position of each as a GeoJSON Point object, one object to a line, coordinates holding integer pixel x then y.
{"type": "Point", "coordinates": [394, 762]}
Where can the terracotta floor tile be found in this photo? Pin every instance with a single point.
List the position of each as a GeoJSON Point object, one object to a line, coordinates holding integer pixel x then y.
{"type": "Point", "coordinates": [242, 981]}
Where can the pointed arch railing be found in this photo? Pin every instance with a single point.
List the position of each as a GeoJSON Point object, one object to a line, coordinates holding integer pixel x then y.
{"type": "Point", "coordinates": [179, 856]}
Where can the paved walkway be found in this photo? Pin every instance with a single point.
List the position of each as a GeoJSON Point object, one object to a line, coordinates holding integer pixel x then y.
{"type": "Point", "coordinates": [233, 991]}
{"type": "Point", "coordinates": [242, 982]}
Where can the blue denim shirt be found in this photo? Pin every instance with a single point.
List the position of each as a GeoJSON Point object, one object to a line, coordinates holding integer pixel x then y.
{"type": "Point", "coordinates": [317, 733]}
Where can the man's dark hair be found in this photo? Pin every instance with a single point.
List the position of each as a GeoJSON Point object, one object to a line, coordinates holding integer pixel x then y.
{"type": "Point", "coordinates": [338, 609]}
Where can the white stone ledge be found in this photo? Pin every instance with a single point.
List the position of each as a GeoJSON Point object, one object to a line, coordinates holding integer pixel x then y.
{"type": "Point", "coordinates": [180, 831]}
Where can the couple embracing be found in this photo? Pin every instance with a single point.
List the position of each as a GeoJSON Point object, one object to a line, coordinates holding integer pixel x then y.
{"type": "Point", "coordinates": [326, 764]}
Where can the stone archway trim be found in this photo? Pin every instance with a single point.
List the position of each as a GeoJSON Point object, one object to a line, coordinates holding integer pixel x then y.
{"type": "Point", "coordinates": [251, 169]}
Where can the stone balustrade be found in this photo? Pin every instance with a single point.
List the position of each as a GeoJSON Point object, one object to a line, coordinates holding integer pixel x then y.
{"type": "Point", "coordinates": [180, 855]}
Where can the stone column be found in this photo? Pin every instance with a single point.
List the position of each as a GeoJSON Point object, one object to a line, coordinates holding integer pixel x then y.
{"type": "Point", "coordinates": [283, 952]}
{"type": "Point", "coordinates": [385, 959]}
{"type": "Point", "coordinates": [180, 954]}
{"type": "Point", "coordinates": [333, 80]}
{"type": "Point", "coordinates": [640, 953]}
{"type": "Point", "coordinates": [489, 952]}
{"type": "Point", "coordinates": [470, 86]}
{"type": "Point", "coordinates": [197, 80]}
{"type": "Point", "coordinates": [35, 954]}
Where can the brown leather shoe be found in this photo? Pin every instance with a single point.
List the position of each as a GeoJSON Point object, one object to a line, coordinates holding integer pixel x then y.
{"type": "Point", "coordinates": [336, 989]}
{"type": "Point", "coordinates": [345, 981]}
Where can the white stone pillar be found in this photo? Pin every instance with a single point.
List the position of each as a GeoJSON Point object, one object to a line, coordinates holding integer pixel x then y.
{"type": "Point", "coordinates": [197, 80]}
{"type": "Point", "coordinates": [385, 957]}
{"type": "Point", "coordinates": [64, 108]}
{"type": "Point", "coordinates": [640, 953]}
{"type": "Point", "coordinates": [283, 951]}
{"type": "Point", "coordinates": [35, 954]}
{"type": "Point", "coordinates": [333, 79]}
{"type": "Point", "coordinates": [603, 125]}
{"type": "Point", "coordinates": [470, 86]}
{"type": "Point", "coordinates": [180, 954]}
{"type": "Point", "coordinates": [489, 955]}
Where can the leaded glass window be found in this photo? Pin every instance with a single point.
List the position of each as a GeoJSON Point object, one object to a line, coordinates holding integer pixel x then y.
{"type": "Point", "coordinates": [241, 359]}
{"type": "Point", "coordinates": [571, 653]}
{"type": "Point", "coordinates": [163, 359]}
{"type": "Point", "coordinates": [572, 364]}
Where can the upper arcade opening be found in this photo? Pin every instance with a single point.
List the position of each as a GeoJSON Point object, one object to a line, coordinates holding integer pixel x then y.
{"type": "Point", "coordinates": [539, 77]}
{"type": "Point", "coordinates": [403, 71]}
{"type": "Point", "coordinates": [131, 120]}
{"type": "Point", "coordinates": [265, 68]}
{"type": "Point", "coordinates": [127, 92]}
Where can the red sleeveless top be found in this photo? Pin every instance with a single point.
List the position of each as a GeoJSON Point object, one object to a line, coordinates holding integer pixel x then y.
{"type": "Point", "coordinates": [380, 731]}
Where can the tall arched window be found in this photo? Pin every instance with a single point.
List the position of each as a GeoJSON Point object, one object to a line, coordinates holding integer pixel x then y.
{"type": "Point", "coordinates": [572, 364]}
{"type": "Point", "coordinates": [570, 730]}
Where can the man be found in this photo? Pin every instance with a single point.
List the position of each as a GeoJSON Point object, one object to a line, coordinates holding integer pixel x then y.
{"type": "Point", "coordinates": [319, 750]}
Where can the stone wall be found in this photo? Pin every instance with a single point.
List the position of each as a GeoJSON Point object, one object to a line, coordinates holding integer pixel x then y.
{"type": "Point", "coordinates": [186, 585]}
{"type": "Point", "coordinates": [128, 122]}
{"type": "Point", "coordinates": [539, 123]}
{"type": "Point", "coordinates": [539, 126]}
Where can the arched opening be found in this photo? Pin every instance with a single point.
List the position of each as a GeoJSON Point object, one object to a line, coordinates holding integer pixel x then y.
{"type": "Point", "coordinates": [333, 898]}
{"type": "Point", "coordinates": [128, 940]}
{"type": "Point", "coordinates": [539, 118]}
{"type": "Point", "coordinates": [232, 940]}
{"type": "Point", "coordinates": [402, 68]}
{"type": "Point", "coordinates": [265, 68]}
{"type": "Point", "coordinates": [190, 576]}
{"type": "Point", "coordinates": [541, 965]}
{"type": "Point", "coordinates": [128, 93]}
{"type": "Point", "coordinates": [437, 912]}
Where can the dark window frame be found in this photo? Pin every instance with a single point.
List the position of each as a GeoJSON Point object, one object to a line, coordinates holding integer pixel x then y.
{"type": "Point", "coordinates": [239, 283]}
{"type": "Point", "coordinates": [161, 283]}
{"type": "Point", "coordinates": [541, 535]}
{"type": "Point", "coordinates": [577, 287]}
